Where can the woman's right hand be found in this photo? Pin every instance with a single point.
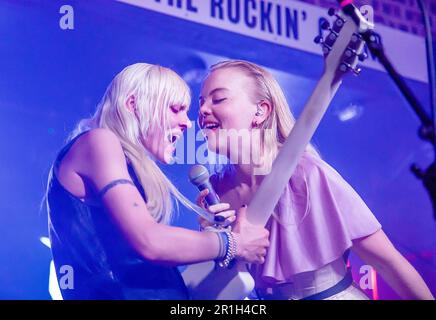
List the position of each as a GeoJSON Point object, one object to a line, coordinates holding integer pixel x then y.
{"type": "Point", "coordinates": [252, 241]}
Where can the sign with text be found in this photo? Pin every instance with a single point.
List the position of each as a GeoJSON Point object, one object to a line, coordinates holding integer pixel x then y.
{"type": "Point", "coordinates": [289, 23]}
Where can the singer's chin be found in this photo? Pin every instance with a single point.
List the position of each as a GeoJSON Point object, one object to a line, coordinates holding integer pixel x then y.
{"type": "Point", "coordinates": [212, 144]}
{"type": "Point", "coordinates": [222, 151]}
{"type": "Point", "coordinates": [218, 145]}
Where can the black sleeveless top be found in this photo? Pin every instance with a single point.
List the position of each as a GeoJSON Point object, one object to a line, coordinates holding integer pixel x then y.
{"type": "Point", "coordinates": [105, 266]}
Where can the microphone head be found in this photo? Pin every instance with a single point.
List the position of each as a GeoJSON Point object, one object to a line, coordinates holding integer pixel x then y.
{"type": "Point", "coordinates": [198, 174]}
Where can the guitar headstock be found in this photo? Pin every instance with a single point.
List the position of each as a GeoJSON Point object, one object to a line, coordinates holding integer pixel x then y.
{"type": "Point", "coordinates": [342, 47]}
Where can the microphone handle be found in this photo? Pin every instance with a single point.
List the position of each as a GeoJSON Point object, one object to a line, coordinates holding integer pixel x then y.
{"type": "Point", "coordinates": [211, 197]}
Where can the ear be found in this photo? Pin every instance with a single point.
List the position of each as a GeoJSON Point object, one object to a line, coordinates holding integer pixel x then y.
{"type": "Point", "coordinates": [131, 104]}
{"type": "Point", "coordinates": [263, 111]}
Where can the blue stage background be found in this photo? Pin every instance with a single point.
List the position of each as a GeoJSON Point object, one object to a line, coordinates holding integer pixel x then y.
{"type": "Point", "coordinates": [50, 78]}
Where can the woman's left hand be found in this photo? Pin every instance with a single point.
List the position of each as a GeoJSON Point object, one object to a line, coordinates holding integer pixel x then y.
{"type": "Point", "coordinates": [223, 216]}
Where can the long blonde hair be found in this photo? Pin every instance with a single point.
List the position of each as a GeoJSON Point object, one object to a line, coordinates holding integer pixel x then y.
{"type": "Point", "coordinates": [155, 89]}
{"type": "Point", "coordinates": [279, 122]}
{"type": "Point", "coordinates": [266, 88]}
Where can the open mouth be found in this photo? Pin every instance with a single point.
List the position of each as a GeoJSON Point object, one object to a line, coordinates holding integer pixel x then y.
{"type": "Point", "coordinates": [211, 125]}
{"type": "Point", "coordinates": [173, 138]}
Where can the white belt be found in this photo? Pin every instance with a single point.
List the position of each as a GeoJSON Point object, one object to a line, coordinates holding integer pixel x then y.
{"type": "Point", "coordinates": [307, 283]}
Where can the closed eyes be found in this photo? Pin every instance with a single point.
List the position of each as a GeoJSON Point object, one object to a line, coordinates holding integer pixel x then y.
{"type": "Point", "coordinates": [216, 101]}
{"type": "Point", "coordinates": [177, 109]}
{"type": "Point", "coordinates": [202, 100]}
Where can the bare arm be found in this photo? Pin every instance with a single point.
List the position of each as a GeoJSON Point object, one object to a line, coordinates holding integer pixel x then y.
{"type": "Point", "coordinates": [105, 163]}
{"type": "Point", "coordinates": [156, 242]}
{"type": "Point", "coordinates": [378, 251]}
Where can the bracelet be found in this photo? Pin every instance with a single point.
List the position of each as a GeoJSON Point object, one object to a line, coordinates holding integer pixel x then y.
{"type": "Point", "coordinates": [227, 246]}
{"type": "Point", "coordinates": [230, 250]}
{"type": "Point", "coordinates": [223, 242]}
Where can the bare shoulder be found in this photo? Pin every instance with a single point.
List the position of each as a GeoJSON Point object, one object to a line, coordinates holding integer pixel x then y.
{"type": "Point", "coordinates": [99, 139]}
{"type": "Point", "coordinates": [98, 142]}
{"type": "Point", "coordinates": [95, 154]}
{"type": "Point", "coordinates": [99, 150]}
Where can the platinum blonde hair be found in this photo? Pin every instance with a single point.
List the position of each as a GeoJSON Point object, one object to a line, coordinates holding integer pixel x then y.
{"type": "Point", "coordinates": [155, 89]}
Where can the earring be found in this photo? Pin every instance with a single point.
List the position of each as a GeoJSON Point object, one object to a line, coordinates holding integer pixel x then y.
{"type": "Point", "coordinates": [259, 111]}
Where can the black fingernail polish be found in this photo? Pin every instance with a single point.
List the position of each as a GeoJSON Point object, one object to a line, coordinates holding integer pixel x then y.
{"type": "Point", "coordinates": [244, 206]}
{"type": "Point", "coordinates": [219, 218]}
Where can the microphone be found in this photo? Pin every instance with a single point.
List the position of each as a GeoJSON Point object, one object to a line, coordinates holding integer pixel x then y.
{"type": "Point", "coordinates": [199, 176]}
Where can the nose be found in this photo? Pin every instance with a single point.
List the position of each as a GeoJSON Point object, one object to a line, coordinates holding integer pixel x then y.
{"type": "Point", "coordinates": [185, 123]}
{"type": "Point", "coordinates": [204, 109]}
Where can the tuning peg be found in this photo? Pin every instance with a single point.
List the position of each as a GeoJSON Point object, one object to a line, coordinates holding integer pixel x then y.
{"type": "Point", "coordinates": [318, 40]}
{"type": "Point", "coordinates": [326, 49]}
{"type": "Point", "coordinates": [356, 37]}
{"type": "Point", "coordinates": [356, 71]}
{"type": "Point", "coordinates": [332, 12]}
{"type": "Point", "coordinates": [325, 25]}
{"type": "Point", "coordinates": [333, 36]}
{"type": "Point", "coordinates": [350, 52]}
{"type": "Point", "coordinates": [344, 67]}
{"type": "Point", "coordinates": [363, 56]}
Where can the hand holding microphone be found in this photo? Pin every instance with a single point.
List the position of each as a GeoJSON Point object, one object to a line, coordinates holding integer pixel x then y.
{"type": "Point", "coordinates": [208, 199]}
{"type": "Point", "coordinates": [252, 241]}
{"type": "Point", "coordinates": [223, 216]}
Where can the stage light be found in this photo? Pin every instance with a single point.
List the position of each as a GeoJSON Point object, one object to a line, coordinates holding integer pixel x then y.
{"type": "Point", "coordinates": [45, 241]}
{"type": "Point", "coordinates": [374, 284]}
{"type": "Point", "coordinates": [353, 111]}
{"type": "Point", "coordinates": [53, 285]}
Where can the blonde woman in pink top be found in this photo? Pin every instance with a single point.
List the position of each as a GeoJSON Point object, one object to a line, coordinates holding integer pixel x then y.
{"type": "Point", "coordinates": [319, 217]}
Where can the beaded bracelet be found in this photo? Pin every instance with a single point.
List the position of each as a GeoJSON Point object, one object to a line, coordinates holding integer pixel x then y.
{"type": "Point", "coordinates": [227, 246]}
{"type": "Point", "coordinates": [231, 249]}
